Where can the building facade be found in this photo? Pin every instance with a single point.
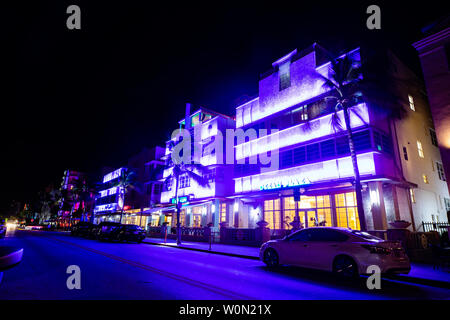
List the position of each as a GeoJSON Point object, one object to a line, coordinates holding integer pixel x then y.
{"type": "Point", "coordinates": [434, 53]}
{"type": "Point", "coordinates": [109, 200]}
{"type": "Point", "coordinates": [70, 202]}
{"type": "Point", "coordinates": [314, 158]}
{"type": "Point", "coordinates": [143, 202]}
{"type": "Point", "coordinates": [201, 205]}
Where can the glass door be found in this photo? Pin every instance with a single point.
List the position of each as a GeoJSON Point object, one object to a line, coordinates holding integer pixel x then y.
{"type": "Point", "coordinates": [308, 217]}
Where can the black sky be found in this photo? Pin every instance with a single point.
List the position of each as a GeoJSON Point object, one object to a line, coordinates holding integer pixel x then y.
{"type": "Point", "coordinates": [88, 98]}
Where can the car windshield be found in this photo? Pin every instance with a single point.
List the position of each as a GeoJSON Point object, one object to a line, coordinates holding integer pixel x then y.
{"type": "Point", "coordinates": [365, 235]}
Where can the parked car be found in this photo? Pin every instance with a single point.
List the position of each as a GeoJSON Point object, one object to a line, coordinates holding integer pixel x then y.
{"type": "Point", "coordinates": [81, 228]}
{"type": "Point", "coordinates": [92, 232]}
{"type": "Point", "coordinates": [33, 227]}
{"type": "Point", "coordinates": [343, 251]}
{"type": "Point", "coordinates": [128, 232]}
{"type": "Point", "coordinates": [106, 229]}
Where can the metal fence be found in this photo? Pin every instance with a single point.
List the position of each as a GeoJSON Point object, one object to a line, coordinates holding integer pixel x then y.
{"type": "Point", "coordinates": [440, 227]}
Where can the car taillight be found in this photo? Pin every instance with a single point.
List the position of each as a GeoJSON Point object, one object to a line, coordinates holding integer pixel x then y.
{"type": "Point", "coordinates": [376, 250]}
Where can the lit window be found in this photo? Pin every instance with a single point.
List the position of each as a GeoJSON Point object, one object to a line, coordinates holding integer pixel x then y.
{"type": "Point", "coordinates": [413, 196]}
{"type": "Point", "coordinates": [425, 178]}
{"type": "Point", "coordinates": [433, 137]}
{"type": "Point", "coordinates": [285, 77]}
{"type": "Point", "coordinates": [411, 102]}
{"type": "Point", "coordinates": [420, 149]}
{"type": "Point", "coordinates": [440, 170]}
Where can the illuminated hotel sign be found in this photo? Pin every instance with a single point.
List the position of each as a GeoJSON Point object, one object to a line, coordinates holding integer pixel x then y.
{"type": "Point", "coordinates": [288, 182]}
{"type": "Point", "coordinates": [108, 192]}
{"type": "Point", "coordinates": [112, 175]}
{"type": "Point", "coordinates": [182, 199]}
{"type": "Point", "coordinates": [106, 207]}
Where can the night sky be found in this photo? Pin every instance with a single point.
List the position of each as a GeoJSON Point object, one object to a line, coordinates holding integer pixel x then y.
{"type": "Point", "coordinates": [88, 98]}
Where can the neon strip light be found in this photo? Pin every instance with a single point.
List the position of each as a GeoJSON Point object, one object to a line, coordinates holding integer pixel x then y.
{"type": "Point", "coordinates": [112, 175]}
{"type": "Point", "coordinates": [319, 127]}
{"type": "Point", "coordinates": [108, 192]}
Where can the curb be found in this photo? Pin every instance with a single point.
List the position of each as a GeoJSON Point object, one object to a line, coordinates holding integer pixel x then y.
{"type": "Point", "coordinates": [204, 250]}
{"type": "Point", "coordinates": [421, 281]}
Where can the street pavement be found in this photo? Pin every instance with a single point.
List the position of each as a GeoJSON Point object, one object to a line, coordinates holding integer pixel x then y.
{"type": "Point", "coordinates": [112, 270]}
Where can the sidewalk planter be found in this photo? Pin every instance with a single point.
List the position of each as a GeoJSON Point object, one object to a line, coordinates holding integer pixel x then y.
{"type": "Point", "coordinates": [400, 224]}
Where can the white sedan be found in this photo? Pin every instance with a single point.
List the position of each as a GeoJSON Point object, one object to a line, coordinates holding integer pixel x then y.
{"type": "Point", "coordinates": [343, 251]}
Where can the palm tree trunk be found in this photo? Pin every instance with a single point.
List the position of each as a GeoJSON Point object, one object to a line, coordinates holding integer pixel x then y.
{"type": "Point", "coordinates": [178, 213]}
{"type": "Point", "coordinates": [123, 206]}
{"type": "Point", "coordinates": [358, 189]}
{"type": "Point", "coordinates": [121, 214]}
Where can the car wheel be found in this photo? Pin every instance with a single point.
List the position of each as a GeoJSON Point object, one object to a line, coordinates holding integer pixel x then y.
{"type": "Point", "coordinates": [271, 258]}
{"type": "Point", "coordinates": [345, 267]}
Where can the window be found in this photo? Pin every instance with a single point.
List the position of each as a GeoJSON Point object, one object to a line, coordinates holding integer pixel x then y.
{"type": "Point", "coordinates": [185, 181]}
{"type": "Point", "coordinates": [440, 170]}
{"type": "Point", "coordinates": [148, 188]}
{"type": "Point", "coordinates": [425, 178]}
{"type": "Point", "coordinates": [411, 102]}
{"type": "Point", "coordinates": [312, 152]}
{"type": "Point", "coordinates": [168, 185]}
{"type": "Point", "coordinates": [223, 212]}
{"type": "Point", "coordinates": [342, 146]}
{"type": "Point", "coordinates": [300, 114]}
{"type": "Point", "coordinates": [303, 235]}
{"type": "Point", "coordinates": [405, 153]}
{"type": "Point", "coordinates": [326, 235]}
{"type": "Point", "coordinates": [210, 176]}
{"type": "Point", "coordinates": [286, 159]}
{"type": "Point", "coordinates": [412, 195]}
{"type": "Point", "coordinates": [346, 210]}
{"type": "Point", "coordinates": [447, 204]}
{"type": "Point", "coordinates": [420, 149]}
{"type": "Point", "coordinates": [328, 148]}
{"type": "Point", "coordinates": [361, 140]}
{"type": "Point", "coordinates": [157, 189]}
{"type": "Point", "coordinates": [285, 77]}
{"type": "Point", "coordinates": [433, 137]}
{"type": "Point", "coordinates": [272, 213]}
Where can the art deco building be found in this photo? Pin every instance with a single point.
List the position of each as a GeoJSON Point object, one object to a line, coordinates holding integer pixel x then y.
{"type": "Point", "coordinates": [399, 161]}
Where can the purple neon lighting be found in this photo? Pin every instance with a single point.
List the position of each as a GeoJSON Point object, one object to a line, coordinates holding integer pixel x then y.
{"type": "Point", "coordinates": [319, 127]}
{"type": "Point", "coordinates": [315, 172]}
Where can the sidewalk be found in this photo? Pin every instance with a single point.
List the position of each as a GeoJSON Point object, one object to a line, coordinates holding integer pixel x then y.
{"type": "Point", "coordinates": [420, 273]}
{"type": "Point", "coordinates": [216, 248]}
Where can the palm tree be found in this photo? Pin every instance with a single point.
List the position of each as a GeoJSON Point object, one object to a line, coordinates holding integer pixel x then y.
{"type": "Point", "coordinates": [350, 83]}
{"type": "Point", "coordinates": [190, 171]}
{"type": "Point", "coordinates": [343, 81]}
{"type": "Point", "coordinates": [126, 183]}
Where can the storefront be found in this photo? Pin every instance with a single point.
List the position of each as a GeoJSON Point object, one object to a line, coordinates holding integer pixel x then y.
{"type": "Point", "coordinates": [320, 207]}
{"type": "Point", "coordinates": [196, 214]}
{"type": "Point", "coordinates": [316, 210]}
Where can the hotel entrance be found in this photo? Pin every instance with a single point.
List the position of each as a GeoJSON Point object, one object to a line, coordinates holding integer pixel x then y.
{"type": "Point", "coordinates": [308, 217]}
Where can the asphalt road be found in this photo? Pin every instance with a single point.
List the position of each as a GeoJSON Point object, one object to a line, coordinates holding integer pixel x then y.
{"type": "Point", "coordinates": [142, 271]}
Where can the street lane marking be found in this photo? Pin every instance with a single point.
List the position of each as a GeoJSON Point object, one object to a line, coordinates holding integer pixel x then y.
{"type": "Point", "coordinates": [164, 273]}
